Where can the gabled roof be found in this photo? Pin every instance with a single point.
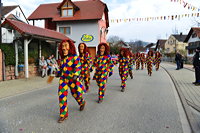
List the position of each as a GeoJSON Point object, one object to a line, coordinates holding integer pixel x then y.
{"type": "Point", "coordinates": [8, 9]}
{"type": "Point", "coordinates": [11, 16]}
{"type": "Point", "coordinates": [193, 29]}
{"type": "Point", "coordinates": [64, 1]}
{"type": "Point", "coordinates": [150, 45]}
{"type": "Point", "coordinates": [88, 10]}
{"type": "Point", "coordinates": [180, 38]}
{"type": "Point", "coordinates": [29, 30]}
{"type": "Point", "coordinates": [160, 43]}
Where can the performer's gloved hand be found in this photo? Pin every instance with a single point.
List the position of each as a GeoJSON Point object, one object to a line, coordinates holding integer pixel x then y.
{"type": "Point", "coordinates": [110, 74]}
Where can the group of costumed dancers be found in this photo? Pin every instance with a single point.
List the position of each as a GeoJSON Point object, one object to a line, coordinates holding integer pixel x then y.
{"type": "Point", "coordinates": [74, 69]}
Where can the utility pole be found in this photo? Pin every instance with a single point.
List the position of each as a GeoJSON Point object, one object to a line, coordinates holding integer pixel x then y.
{"type": "Point", "coordinates": [0, 22]}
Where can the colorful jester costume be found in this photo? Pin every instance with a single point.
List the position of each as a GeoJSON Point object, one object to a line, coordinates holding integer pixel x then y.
{"type": "Point", "coordinates": [130, 70]}
{"type": "Point", "coordinates": [137, 60]}
{"type": "Point", "coordinates": [104, 67]}
{"type": "Point", "coordinates": [86, 61]}
{"type": "Point", "coordinates": [142, 60]}
{"type": "Point", "coordinates": [123, 70]}
{"type": "Point", "coordinates": [69, 71]}
{"type": "Point", "coordinates": [157, 60]}
{"type": "Point", "coordinates": [149, 64]}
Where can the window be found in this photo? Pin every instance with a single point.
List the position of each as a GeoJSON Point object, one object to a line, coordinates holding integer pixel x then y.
{"type": "Point", "coordinates": [65, 30]}
{"type": "Point", "coordinates": [194, 35]}
{"type": "Point", "coordinates": [67, 10]}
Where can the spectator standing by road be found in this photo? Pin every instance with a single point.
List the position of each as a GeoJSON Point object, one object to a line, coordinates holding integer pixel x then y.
{"type": "Point", "coordinates": [178, 59]}
{"type": "Point", "coordinates": [196, 64]}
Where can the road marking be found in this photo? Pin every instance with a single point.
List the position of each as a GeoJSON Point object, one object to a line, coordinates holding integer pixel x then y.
{"type": "Point", "coordinates": [184, 121]}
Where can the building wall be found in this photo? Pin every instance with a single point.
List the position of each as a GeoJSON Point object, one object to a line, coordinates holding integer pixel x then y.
{"type": "Point", "coordinates": [17, 12]}
{"type": "Point", "coordinates": [7, 35]}
{"type": "Point", "coordinates": [102, 29]}
{"type": "Point", "coordinates": [79, 28]}
{"type": "Point", "coordinates": [1, 66]}
{"type": "Point", "coordinates": [49, 24]}
{"type": "Point", "coordinates": [172, 43]}
{"type": "Point", "coordinates": [192, 40]}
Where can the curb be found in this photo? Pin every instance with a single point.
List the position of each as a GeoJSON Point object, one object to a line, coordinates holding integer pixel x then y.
{"type": "Point", "coordinates": [192, 121]}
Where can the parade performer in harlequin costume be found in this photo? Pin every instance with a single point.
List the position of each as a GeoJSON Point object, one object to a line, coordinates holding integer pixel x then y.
{"type": "Point", "coordinates": [133, 57]}
{"type": "Point", "coordinates": [124, 62]}
{"type": "Point", "coordinates": [145, 62]}
{"type": "Point", "coordinates": [130, 68]}
{"type": "Point", "coordinates": [142, 60]}
{"type": "Point", "coordinates": [158, 56]}
{"type": "Point", "coordinates": [86, 62]}
{"type": "Point", "coordinates": [149, 62]}
{"type": "Point", "coordinates": [104, 68]}
{"type": "Point", "coordinates": [137, 60]}
{"type": "Point", "coordinates": [69, 71]}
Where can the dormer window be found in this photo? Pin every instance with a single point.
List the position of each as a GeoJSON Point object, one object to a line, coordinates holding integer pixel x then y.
{"type": "Point", "coordinates": [67, 10]}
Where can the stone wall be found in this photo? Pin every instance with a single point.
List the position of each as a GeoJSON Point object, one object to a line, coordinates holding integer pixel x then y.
{"type": "Point", "coordinates": [10, 72]}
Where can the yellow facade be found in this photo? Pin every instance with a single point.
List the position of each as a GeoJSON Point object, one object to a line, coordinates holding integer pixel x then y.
{"type": "Point", "coordinates": [172, 43]}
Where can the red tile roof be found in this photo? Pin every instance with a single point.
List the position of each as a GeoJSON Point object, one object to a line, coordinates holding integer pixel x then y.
{"type": "Point", "coordinates": [26, 29]}
{"type": "Point", "coordinates": [88, 10]}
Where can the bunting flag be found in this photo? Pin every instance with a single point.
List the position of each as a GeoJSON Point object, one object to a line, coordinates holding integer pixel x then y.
{"type": "Point", "coordinates": [169, 17]}
{"type": "Point", "coordinates": [187, 5]}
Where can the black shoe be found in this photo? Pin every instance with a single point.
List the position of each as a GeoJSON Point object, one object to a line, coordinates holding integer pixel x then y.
{"type": "Point", "coordinates": [123, 89]}
{"type": "Point", "coordinates": [197, 84]}
{"type": "Point", "coordinates": [100, 101]}
{"type": "Point", "coordinates": [194, 82]}
{"type": "Point", "coordinates": [82, 106]}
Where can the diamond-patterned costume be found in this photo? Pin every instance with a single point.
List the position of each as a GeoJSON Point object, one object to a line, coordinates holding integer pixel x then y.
{"type": "Point", "coordinates": [157, 62]}
{"type": "Point", "coordinates": [149, 60]}
{"type": "Point", "coordinates": [137, 61]}
{"type": "Point", "coordinates": [104, 67]}
{"type": "Point", "coordinates": [123, 70]}
{"type": "Point", "coordinates": [130, 70]}
{"type": "Point", "coordinates": [142, 59]}
{"type": "Point", "coordinates": [70, 68]}
{"type": "Point", "coordinates": [86, 62]}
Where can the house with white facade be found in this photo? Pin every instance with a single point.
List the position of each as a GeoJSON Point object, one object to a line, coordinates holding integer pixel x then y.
{"type": "Point", "coordinates": [193, 40]}
{"type": "Point", "coordinates": [11, 12]}
{"type": "Point", "coordinates": [82, 21]}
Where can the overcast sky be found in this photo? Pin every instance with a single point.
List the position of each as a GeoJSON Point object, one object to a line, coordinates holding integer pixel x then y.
{"type": "Point", "coordinates": [120, 9]}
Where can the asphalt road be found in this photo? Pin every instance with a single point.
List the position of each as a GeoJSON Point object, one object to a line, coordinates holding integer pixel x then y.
{"type": "Point", "coordinates": [149, 105]}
